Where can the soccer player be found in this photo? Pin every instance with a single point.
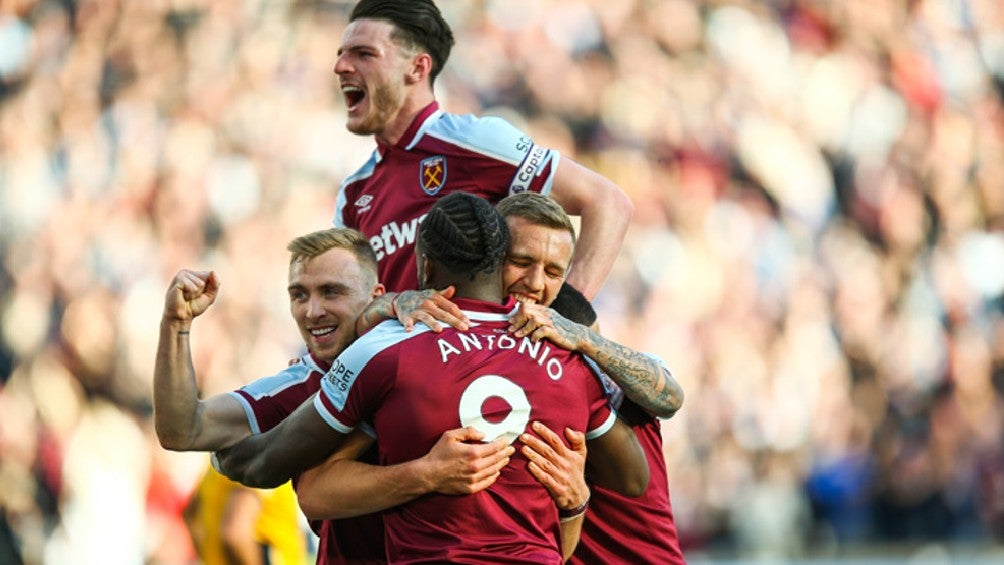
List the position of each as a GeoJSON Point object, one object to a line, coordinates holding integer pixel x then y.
{"type": "Point", "coordinates": [616, 529]}
{"type": "Point", "coordinates": [539, 256]}
{"type": "Point", "coordinates": [391, 53]}
{"type": "Point", "coordinates": [413, 385]}
{"type": "Point", "coordinates": [332, 277]}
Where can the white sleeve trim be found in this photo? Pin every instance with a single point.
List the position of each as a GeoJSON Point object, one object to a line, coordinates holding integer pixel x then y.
{"type": "Point", "coordinates": [330, 418]}
{"type": "Point", "coordinates": [603, 428]}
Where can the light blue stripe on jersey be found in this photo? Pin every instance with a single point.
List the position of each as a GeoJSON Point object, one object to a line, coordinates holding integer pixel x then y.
{"type": "Point", "coordinates": [489, 135]}
{"type": "Point", "coordinates": [248, 412]}
{"type": "Point", "coordinates": [500, 140]}
{"type": "Point", "coordinates": [338, 382]}
{"type": "Point", "coordinates": [340, 201]}
{"type": "Point", "coordinates": [293, 375]}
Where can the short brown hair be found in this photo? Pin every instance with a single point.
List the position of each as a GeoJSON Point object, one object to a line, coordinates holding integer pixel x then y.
{"type": "Point", "coordinates": [538, 209]}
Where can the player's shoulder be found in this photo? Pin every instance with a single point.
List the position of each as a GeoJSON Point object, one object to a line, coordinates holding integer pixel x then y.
{"type": "Point", "coordinates": [384, 336]}
{"type": "Point", "coordinates": [297, 370]}
{"type": "Point", "coordinates": [363, 172]}
{"type": "Point", "coordinates": [487, 134]}
{"type": "Point", "coordinates": [464, 124]}
{"type": "Point", "coordinates": [296, 375]}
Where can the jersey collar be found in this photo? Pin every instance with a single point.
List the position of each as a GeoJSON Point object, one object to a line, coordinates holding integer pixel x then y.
{"type": "Point", "coordinates": [415, 130]}
{"type": "Point", "coordinates": [479, 310]}
{"type": "Point", "coordinates": [321, 365]}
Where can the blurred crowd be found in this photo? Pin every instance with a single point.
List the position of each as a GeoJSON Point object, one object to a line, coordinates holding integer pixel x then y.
{"type": "Point", "coordinates": [817, 248]}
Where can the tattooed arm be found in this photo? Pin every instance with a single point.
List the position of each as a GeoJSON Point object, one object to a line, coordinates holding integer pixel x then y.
{"type": "Point", "coordinates": [642, 377]}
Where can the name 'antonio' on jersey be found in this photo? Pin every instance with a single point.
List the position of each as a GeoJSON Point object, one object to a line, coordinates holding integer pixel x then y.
{"type": "Point", "coordinates": [413, 386]}
{"type": "Point", "coordinates": [440, 153]}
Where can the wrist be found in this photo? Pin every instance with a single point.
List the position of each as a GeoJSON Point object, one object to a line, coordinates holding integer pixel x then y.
{"type": "Point", "coordinates": [176, 326]}
{"type": "Point", "coordinates": [393, 306]}
{"type": "Point", "coordinates": [590, 344]}
{"type": "Point", "coordinates": [423, 471]}
{"type": "Point", "coordinates": [566, 514]}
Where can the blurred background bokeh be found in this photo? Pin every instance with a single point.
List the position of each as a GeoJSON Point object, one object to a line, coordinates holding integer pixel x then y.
{"type": "Point", "coordinates": [817, 248]}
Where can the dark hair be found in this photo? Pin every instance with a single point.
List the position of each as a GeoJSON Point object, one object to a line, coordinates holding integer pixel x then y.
{"type": "Point", "coordinates": [464, 233]}
{"type": "Point", "coordinates": [418, 25]}
{"type": "Point", "coordinates": [572, 304]}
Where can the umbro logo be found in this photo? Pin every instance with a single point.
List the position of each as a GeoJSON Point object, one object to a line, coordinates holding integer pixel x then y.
{"type": "Point", "coordinates": [364, 200]}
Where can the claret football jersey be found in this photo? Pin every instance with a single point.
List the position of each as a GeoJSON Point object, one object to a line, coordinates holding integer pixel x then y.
{"type": "Point", "coordinates": [266, 402]}
{"type": "Point", "coordinates": [413, 386]}
{"type": "Point", "coordinates": [632, 531]}
{"type": "Point", "coordinates": [440, 153]}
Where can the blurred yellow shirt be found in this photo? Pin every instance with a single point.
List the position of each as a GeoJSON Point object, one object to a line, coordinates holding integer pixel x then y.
{"type": "Point", "coordinates": [277, 527]}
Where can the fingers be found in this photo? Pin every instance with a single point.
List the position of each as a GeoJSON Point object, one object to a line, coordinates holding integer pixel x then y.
{"type": "Point", "coordinates": [547, 435]}
{"type": "Point", "coordinates": [466, 467]}
{"type": "Point", "coordinates": [212, 283]}
{"type": "Point", "coordinates": [432, 308]}
{"type": "Point", "coordinates": [483, 484]}
{"type": "Point", "coordinates": [469, 433]}
{"type": "Point", "coordinates": [193, 283]}
{"type": "Point", "coordinates": [576, 439]}
{"type": "Point", "coordinates": [440, 306]}
{"type": "Point", "coordinates": [502, 458]}
{"type": "Point", "coordinates": [531, 320]}
{"type": "Point", "coordinates": [409, 321]}
{"type": "Point", "coordinates": [543, 477]}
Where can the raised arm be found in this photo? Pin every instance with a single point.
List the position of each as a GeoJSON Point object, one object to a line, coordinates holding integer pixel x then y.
{"type": "Point", "coordinates": [642, 377]}
{"type": "Point", "coordinates": [183, 421]}
{"type": "Point", "coordinates": [269, 459]}
{"type": "Point", "coordinates": [605, 212]}
{"type": "Point", "coordinates": [342, 487]}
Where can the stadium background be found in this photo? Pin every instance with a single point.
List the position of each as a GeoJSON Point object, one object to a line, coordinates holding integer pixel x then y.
{"type": "Point", "coordinates": [817, 245]}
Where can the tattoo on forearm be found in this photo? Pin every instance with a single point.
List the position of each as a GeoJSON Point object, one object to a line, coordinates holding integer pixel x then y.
{"type": "Point", "coordinates": [640, 377]}
{"type": "Point", "coordinates": [576, 334]}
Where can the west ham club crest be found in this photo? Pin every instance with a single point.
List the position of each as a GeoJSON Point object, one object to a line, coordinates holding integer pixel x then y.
{"type": "Point", "coordinates": [432, 174]}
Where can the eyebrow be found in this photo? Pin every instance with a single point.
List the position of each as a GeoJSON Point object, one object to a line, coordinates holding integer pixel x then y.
{"type": "Point", "coordinates": [324, 286]}
{"type": "Point", "coordinates": [358, 47]}
{"type": "Point", "coordinates": [547, 265]}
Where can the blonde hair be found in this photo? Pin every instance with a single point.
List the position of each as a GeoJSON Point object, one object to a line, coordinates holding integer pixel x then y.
{"type": "Point", "coordinates": [316, 243]}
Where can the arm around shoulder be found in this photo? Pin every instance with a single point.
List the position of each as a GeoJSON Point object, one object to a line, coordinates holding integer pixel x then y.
{"type": "Point", "coordinates": [267, 460]}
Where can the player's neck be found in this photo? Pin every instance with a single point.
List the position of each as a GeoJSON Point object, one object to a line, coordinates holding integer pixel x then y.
{"type": "Point", "coordinates": [410, 109]}
{"type": "Point", "coordinates": [482, 288]}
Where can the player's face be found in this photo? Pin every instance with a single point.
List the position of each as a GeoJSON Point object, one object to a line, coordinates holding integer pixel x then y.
{"type": "Point", "coordinates": [537, 261]}
{"type": "Point", "coordinates": [371, 70]}
{"type": "Point", "coordinates": [326, 295]}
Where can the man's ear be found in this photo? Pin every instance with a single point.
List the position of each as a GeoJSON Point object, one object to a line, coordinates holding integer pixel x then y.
{"type": "Point", "coordinates": [427, 272]}
{"type": "Point", "coordinates": [378, 290]}
{"type": "Point", "coordinates": [421, 67]}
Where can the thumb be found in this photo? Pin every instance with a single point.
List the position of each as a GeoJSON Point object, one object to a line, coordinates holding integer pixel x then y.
{"type": "Point", "coordinates": [469, 434]}
{"type": "Point", "coordinates": [576, 439]}
{"type": "Point", "coordinates": [212, 283]}
{"type": "Point", "coordinates": [448, 291]}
